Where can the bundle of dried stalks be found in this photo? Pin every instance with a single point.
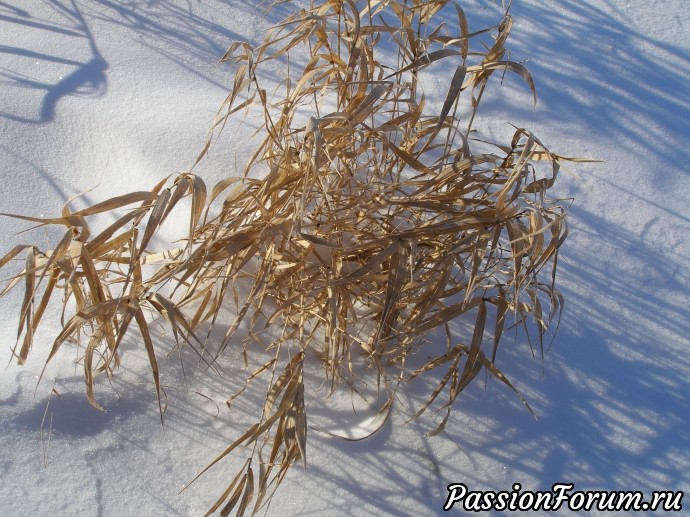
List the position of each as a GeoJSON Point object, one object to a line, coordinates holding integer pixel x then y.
{"type": "Point", "coordinates": [375, 223]}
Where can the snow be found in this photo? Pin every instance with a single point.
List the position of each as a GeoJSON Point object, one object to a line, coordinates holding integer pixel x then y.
{"type": "Point", "coordinates": [116, 95]}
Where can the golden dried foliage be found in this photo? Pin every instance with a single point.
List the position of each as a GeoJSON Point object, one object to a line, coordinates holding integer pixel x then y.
{"type": "Point", "coordinates": [375, 222]}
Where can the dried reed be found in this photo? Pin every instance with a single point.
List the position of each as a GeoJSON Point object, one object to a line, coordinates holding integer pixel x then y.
{"type": "Point", "coordinates": [375, 222]}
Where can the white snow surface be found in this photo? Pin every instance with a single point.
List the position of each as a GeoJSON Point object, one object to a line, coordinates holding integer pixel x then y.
{"type": "Point", "coordinates": [117, 94]}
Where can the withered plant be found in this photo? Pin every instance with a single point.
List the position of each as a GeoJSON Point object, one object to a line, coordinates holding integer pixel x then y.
{"type": "Point", "coordinates": [376, 219]}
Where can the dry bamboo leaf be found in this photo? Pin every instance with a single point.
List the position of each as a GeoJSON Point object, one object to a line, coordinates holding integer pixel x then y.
{"type": "Point", "coordinates": [371, 265]}
{"type": "Point", "coordinates": [452, 371]}
{"type": "Point", "coordinates": [114, 203]}
{"type": "Point", "coordinates": [464, 29]}
{"type": "Point", "coordinates": [258, 372]}
{"type": "Point", "coordinates": [447, 314]}
{"type": "Point", "coordinates": [480, 71]}
{"type": "Point", "coordinates": [247, 495]}
{"type": "Point", "coordinates": [249, 435]}
{"type": "Point", "coordinates": [366, 107]}
{"type": "Point", "coordinates": [396, 280]}
{"type": "Point", "coordinates": [148, 344]}
{"type": "Point", "coordinates": [235, 497]}
{"type": "Point", "coordinates": [286, 378]}
{"type": "Point", "coordinates": [228, 491]}
{"type": "Point", "coordinates": [40, 310]}
{"type": "Point", "coordinates": [501, 312]}
{"type": "Point", "coordinates": [301, 424]}
{"type": "Point", "coordinates": [499, 375]}
{"type": "Point", "coordinates": [72, 220]}
{"type": "Point", "coordinates": [473, 354]}
{"type": "Point", "coordinates": [89, 368]}
{"type": "Point", "coordinates": [26, 311]}
{"type": "Point", "coordinates": [452, 95]}
{"type": "Point", "coordinates": [156, 217]}
{"type": "Point", "coordinates": [13, 253]}
{"type": "Point", "coordinates": [103, 243]}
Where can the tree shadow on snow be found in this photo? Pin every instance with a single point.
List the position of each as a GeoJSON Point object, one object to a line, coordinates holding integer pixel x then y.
{"type": "Point", "coordinates": [86, 78]}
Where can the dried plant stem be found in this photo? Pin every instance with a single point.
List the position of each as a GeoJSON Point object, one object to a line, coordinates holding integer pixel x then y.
{"type": "Point", "coordinates": [375, 223]}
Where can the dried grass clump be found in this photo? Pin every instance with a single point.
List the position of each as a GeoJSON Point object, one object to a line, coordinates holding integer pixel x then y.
{"type": "Point", "coordinates": [375, 222]}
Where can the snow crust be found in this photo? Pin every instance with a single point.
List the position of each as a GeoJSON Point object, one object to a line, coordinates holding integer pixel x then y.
{"type": "Point", "coordinates": [116, 94]}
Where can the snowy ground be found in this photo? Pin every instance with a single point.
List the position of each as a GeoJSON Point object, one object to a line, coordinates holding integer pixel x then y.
{"type": "Point", "coordinates": [117, 94]}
